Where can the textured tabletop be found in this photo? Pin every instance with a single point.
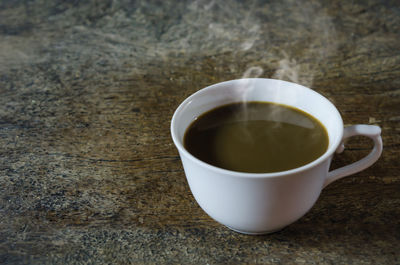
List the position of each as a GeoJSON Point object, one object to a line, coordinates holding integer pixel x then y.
{"type": "Point", "coordinates": [88, 170]}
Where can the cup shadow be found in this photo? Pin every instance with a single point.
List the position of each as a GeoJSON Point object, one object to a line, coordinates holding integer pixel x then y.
{"type": "Point", "coordinates": [346, 220]}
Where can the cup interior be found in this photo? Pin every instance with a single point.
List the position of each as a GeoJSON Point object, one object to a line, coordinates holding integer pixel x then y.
{"type": "Point", "coordinates": [258, 89]}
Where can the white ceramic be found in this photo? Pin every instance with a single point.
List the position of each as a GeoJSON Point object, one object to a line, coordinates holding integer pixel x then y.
{"type": "Point", "coordinates": [254, 203]}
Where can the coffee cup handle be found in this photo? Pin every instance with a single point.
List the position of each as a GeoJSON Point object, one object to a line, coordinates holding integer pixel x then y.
{"type": "Point", "coordinates": [370, 131]}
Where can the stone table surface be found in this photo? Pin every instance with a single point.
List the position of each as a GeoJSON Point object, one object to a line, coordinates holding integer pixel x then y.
{"type": "Point", "coordinates": [88, 171]}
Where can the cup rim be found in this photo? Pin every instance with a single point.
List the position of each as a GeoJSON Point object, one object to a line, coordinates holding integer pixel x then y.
{"type": "Point", "coordinates": [319, 160]}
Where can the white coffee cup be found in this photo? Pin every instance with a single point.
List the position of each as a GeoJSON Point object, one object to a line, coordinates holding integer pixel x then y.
{"type": "Point", "coordinates": [259, 203]}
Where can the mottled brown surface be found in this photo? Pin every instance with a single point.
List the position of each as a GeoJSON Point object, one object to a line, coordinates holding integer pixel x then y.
{"type": "Point", "coordinates": [88, 171]}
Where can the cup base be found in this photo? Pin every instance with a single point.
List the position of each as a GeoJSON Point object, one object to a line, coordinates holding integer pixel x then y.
{"type": "Point", "coordinates": [255, 233]}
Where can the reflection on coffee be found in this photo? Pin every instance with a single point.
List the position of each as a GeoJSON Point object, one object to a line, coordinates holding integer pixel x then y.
{"type": "Point", "coordinates": [256, 137]}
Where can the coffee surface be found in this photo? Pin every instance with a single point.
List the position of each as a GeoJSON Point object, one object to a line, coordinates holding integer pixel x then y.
{"type": "Point", "coordinates": [256, 137]}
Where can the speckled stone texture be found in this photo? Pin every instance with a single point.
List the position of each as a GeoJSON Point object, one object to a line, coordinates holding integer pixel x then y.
{"type": "Point", "coordinates": [88, 171]}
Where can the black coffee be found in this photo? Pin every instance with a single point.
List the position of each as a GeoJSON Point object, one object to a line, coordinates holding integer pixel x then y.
{"type": "Point", "coordinates": [256, 137]}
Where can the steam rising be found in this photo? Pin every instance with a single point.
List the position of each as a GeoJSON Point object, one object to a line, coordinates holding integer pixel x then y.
{"type": "Point", "coordinates": [295, 53]}
{"type": "Point", "coordinates": [287, 69]}
{"type": "Point", "coordinates": [253, 72]}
